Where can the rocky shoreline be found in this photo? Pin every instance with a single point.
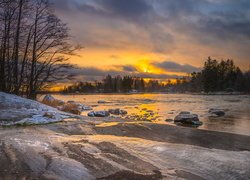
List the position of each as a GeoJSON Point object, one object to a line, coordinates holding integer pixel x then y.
{"type": "Point", "coordinates": [113, 148]}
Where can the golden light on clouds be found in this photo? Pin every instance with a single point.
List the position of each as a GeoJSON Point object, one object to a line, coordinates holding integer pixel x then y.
{"type": "Point", "coordinates": [125, 33]}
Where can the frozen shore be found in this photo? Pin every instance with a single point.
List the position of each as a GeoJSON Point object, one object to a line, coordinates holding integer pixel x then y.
{"type": "Point", "coordinates": [19, 111]}
{"type": "Point", "coordinates": [111, 148]}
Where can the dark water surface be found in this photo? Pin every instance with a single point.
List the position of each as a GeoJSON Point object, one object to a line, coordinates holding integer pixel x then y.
{"type": "Point", "coordinates": [159, 107]}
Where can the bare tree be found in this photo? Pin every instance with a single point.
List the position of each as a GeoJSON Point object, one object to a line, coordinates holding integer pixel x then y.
{"type": "Point", "coordinates": [7, 18]}
{"type": "Point", "coordinates": [34, 46]}
{"type": "Point", "coordinates": [49, 47]}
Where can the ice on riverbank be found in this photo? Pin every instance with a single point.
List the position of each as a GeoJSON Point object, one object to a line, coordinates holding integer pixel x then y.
{"type": "Point", "coordinates": [16, 110]}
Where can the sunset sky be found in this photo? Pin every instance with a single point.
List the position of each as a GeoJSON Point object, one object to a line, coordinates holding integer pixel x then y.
{"type": "Point", "coordinates": [155, 38]}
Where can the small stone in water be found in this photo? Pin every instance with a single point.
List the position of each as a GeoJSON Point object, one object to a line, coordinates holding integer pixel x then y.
{"type": "Point", "coordinates": [169, 120]}
{"type": "Point", "coordinates": [217, 112]}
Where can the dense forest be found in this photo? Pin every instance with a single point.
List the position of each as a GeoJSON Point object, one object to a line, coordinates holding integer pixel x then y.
{"type": "Point", "coordinates": [218, 76]}
{"type": "Point", "coordinates": [33, 45]}
{"type": "Point", "coordinates": [215, 76]}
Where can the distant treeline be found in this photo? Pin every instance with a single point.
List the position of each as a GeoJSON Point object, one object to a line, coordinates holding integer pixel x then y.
{"type": "Point", "coordinates": [117, 84]}
{"type": "Point", "coordinates": [215, 76]}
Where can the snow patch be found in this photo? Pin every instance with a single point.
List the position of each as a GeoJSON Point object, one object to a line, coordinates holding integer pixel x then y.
{"type": "Point", "coordinates": [15, 110]}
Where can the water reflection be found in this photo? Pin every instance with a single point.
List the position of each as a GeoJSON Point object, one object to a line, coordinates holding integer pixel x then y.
{"type": "Point", "coordinates": [159, 107]}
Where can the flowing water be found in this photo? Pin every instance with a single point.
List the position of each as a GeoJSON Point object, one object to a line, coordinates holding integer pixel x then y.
{"type": "Point", "coordinates": [159, 107]}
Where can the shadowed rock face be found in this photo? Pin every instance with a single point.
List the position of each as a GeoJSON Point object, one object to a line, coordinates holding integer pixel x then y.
{"type": "Point", "coordinates": [180, 135]}
{"type": "Point", "coordinates": [123, 175]}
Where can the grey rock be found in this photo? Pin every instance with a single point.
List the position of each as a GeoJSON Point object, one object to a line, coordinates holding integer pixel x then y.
{"type": "Point", "coordinates": [186, 117]}
{"type": "Point", "coordinates": [217, 112]}
{"type": "Point", "coordinates": [98, 114]}
{"type": "Point", "coordinates": [117, 111]}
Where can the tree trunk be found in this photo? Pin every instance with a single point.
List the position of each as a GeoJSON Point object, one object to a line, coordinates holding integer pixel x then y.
{"type": "Point", "coordinates": [16, 53]}
{"type": "Point", "coordinates": [33, 63]}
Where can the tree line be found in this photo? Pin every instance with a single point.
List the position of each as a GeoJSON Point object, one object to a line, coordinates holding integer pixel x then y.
{"type": "Point", "coordinates": [215, 76]}
{"type": "Point", "coordinates": [117, 84]}
{"type": "Point", "coordinates": [33, 45]}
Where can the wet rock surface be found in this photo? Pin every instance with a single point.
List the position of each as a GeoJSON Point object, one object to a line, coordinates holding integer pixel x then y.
{"type": "Point", "coordinates": [117, 111]}
{"type": "Point", "coordinates": [98, 114]}
{"type": "Point", "coordinates": [186, 117]}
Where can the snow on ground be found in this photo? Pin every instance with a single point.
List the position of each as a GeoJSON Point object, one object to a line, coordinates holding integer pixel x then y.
{"type": "Point", "coordinates": [16, 110]}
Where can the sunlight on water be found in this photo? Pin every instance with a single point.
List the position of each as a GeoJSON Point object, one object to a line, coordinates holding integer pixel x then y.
{"type": "Point", "coordinates": [159, 107]}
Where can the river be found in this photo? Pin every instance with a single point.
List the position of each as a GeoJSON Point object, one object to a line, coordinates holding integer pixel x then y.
{"type": "Point", "coordinates": [159, 107]}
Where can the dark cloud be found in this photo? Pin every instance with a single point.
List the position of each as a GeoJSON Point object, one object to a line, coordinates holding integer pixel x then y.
{"type": "Point", "coordinates": [162, 26]}
{"type": "Point", "coordinates": [92, 74]}
{"type": "Point", "coordinates": [63, 5]}
{"type": "Point", "coordinates": [91, 71]}
{"type": "Point", "coordinates": [126, 8]}
{"type": "Point", "coordinates": [227, 25]}
{"type": "Point", "coordinates": [129, 68]}
{"type": "Point", "coordinates": [171, 66]}
{"type": "Point", "coordinates": [157, 76]}
{"type": "Point", "coordinates": [218, 17]}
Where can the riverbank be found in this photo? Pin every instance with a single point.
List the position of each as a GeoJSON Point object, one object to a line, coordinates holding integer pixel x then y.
{"type": "Point", "coordinates": [113, 148]}
{"type": "Point", "coordinates": [191, 93]}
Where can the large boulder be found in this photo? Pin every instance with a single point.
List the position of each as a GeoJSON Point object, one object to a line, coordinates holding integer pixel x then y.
{"type": "Point", "coordinates": [118, 111]}
{"type": "Point", "coordinates": [186, 117]}
{"type": "Point", "coordinates": [98, 114]}
{"type": "Point", "coordinates": [51, 101]}
{"type": "Point", "coordinates": [217, 112]}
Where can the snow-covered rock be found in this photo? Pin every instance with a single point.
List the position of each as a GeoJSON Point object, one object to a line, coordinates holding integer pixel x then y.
{"type": "Point", "coordinates": [98, 114]}
{"type": "Point", "coordinates": [15, 110]}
